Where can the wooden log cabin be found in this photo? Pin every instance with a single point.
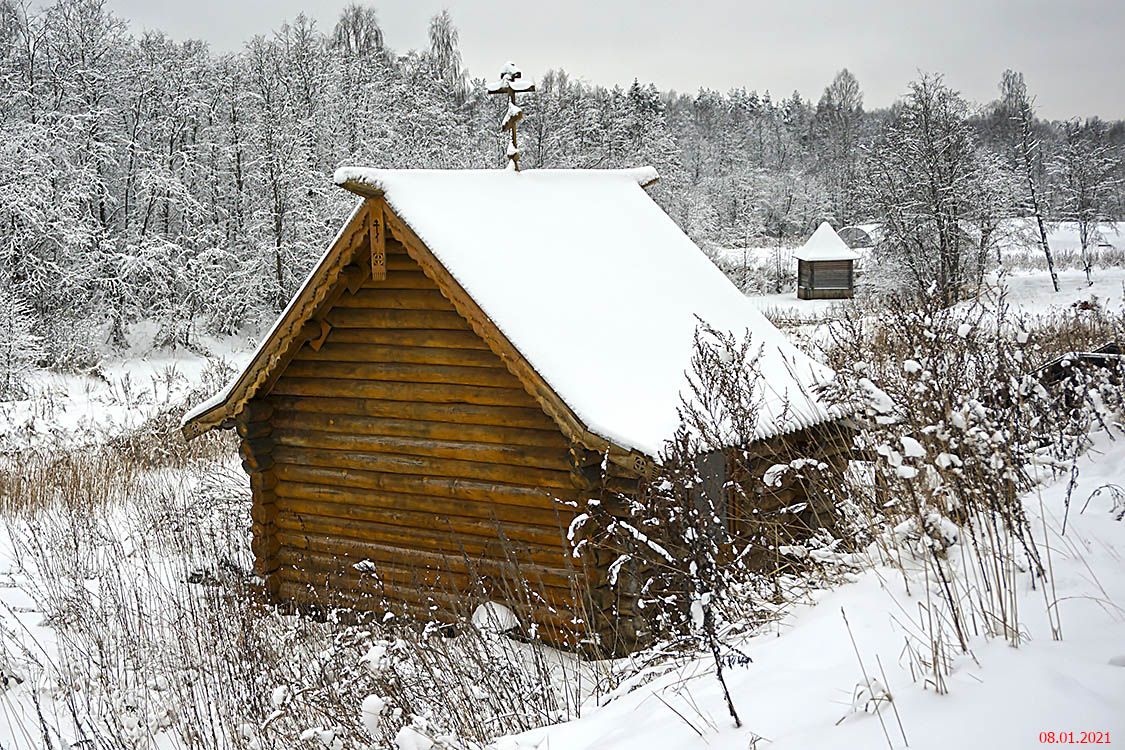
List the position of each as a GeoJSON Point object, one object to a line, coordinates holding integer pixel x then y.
{"type": "Point", "coordinates": [475, 355]}
{"type": "Point", "coordinates": [825, 266]}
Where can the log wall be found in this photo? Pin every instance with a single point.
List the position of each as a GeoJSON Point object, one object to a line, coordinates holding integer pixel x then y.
{"type": "Point", "coordinates": [404, 446]}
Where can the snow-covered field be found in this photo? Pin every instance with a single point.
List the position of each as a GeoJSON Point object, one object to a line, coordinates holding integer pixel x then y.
{"type": "Point", "coordinates": [1028, 293]}
{"type": "Point", "coordinates": [122, 393]}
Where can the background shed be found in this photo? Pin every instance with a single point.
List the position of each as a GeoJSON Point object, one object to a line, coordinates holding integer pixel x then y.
{"type": "Point", "coordinates": [825, 266]}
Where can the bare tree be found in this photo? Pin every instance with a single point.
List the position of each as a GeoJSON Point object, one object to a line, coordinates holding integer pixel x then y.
{"type": "Point", "coordinates": [358, 31]}
{"type": "Point", "coordinates": [1019, 108]}
{"type": "Point", "coordinates": [1085, 173]}
{"type": "Point", "coordinates": [926, 184]}
{"type": "Point", "coordinates": [838, 119]}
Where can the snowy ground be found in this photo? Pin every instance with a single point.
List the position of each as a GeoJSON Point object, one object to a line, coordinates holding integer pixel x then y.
{"type": "Point", "coordinates": [798, 692]}
{"type": "Point", "coordinates": [123, 392]}
{"type": "Point", "coordinates": [1030, 292]}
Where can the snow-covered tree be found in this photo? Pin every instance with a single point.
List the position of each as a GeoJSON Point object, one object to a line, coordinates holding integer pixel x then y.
{"type": "Point", "coordinates": [20, 347]}
{"type": "Point", "coordinates": [1025, 147]}
{"type": "Point", "coordinates": [924, 183]}
{"type": "Point", "coordinates": [1084, 170]}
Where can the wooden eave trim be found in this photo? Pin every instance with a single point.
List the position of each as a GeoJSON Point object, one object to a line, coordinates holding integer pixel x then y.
{"type": "Point", "coordinates": [275, 352]}
{"type": "Point", "coordinates": [362, 189]}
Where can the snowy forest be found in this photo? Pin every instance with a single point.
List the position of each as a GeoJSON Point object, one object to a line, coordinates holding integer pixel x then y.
{"type": "Point", "coordinates": [892, 515]}
{"type": "Point", "coordinates": [147, 177]}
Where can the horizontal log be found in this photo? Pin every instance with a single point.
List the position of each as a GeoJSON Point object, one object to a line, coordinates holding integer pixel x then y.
{"type": "Point", "coordinates": [493, 377]}
{"type": "Point", "coordinates": [422, 355]}
{"type": "Point", "coordinates": [329, 422]}
{"type": "Point", "coordinates": [433, 393]}
{"type": "Point", "coordinates": [424, 466]}
{"type": "Point", "coordinates": [462, 489]}
{"type": "Point", "coordinates": [351, 317]}
{"type": "Point", "coordinates": [253, 430]}
{"type": "Point", "coordinates": [410, 517]}
{"type": "Point", "coordinates": [396, 279]}
{"type": "Point", "coordinates": [427, 337]}
{"type": "Point", "coordinates": [396, 299]}
{"type": "Point", "coordinates": [255, 410]}
{"type": "Point", "coordinates": [492, 453]}
{"type": "Point", "coordinates": [389, 579]}
{"type": "Point", "coordinates": [453, 414]}
{"type": "Point", "coordinates": [453, 593]}
{"type": "Point", "coordinates": [351, 501]}
{"type": "Point", "coordinates": [313, 552]}
{"type": "Point", "coordinates": [344, 536]}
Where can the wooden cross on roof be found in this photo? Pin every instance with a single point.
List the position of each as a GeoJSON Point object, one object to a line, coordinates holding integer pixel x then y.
{"type": "Point", "coordinates": [511, 83]}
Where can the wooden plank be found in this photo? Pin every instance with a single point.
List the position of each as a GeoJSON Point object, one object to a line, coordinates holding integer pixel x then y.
{"type": "Point", "coordinates": [493, 377]}
{"type": "Point", "coordinates": [433, 393]}
{"type": "Point", "coordinates": [351, 317]}
{"type": "Point", "coordinates": [466, 489]}
{"type": "Point", "coordinates": [329, 422]}
{"type": "Point", "coordinates": [345, 532]}
{"type": "Point", "coordinates": [401, 263]}
{"type": "Point", "coordinates": [376, 239]}
{"type": "Point", "coordinates": [448, 339]}
{"type": "Point", "coordinates": [296, 545]}
{"type": "Point", "coordinates": [390, 580]}
{"type": "Point", "coordinates": [424, 466]}
{"type": "Point", "coordinates": [495, 453]}
{"type": "Point", "coordinates": [347, 500]}
{"type": "Point", "coordinates": [455, 590]}
{"type": "Point", "coordinates": [412, 279]}
{"type": "Point", "coordinates": [423, 355]}
{"type": "Point", "coordinates": [393, 517]}
{"type": "Point", "coordinates": [453, 414]}
{"type": "Point", "coordinates": [397, 299]}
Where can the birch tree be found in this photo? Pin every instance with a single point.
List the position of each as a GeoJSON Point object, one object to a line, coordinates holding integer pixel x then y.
{"type": "Point", "coordinates": [1017, 106]}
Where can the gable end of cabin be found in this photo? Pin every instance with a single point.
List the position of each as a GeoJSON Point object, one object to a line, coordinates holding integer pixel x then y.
{"type": "Point", "coordinates": [396, 460]}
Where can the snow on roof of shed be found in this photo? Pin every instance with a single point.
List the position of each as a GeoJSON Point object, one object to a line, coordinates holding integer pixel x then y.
{"type": "Point", "coordinates": [595, 287]}
{"type": "Point", "coordinates": [825, 244]}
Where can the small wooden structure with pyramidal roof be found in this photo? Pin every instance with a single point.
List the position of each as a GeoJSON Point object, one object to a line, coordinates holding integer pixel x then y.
{"type": "Point", "coordinates": [478, 354]}
{"type": "Point", "coordinates": [825, 266]}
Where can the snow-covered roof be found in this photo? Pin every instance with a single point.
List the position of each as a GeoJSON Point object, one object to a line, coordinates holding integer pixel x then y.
{"type": "Point", "coordinates": [596, 288]}
{"type": "Point", "coordinates": [825, 244]}
{"type": "Point", "coordinates": [861, 237]}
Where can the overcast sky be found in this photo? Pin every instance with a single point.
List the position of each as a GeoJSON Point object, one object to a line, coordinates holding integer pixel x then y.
{"type": "Point", "coordinates": [1072, 52]}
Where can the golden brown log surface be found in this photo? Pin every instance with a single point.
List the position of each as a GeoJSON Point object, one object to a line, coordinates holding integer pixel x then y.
{"type": "Point", "coordinates": [453, 414]}
{"type": "Point", "coordinates": [329, 421]}
{"type": "Point", "coordinates": [516, 456]}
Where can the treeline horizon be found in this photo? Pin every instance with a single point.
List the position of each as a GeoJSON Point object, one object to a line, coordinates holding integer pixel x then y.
{"type": "Point", "coordinates": [145, 177]}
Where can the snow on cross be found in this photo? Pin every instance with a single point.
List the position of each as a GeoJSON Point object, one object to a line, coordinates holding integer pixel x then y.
{"type": "Point", "coordinates": [511, 83]}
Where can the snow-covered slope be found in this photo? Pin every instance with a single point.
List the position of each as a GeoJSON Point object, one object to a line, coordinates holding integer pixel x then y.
{"type": "Point", "coordinates": [798, 692]}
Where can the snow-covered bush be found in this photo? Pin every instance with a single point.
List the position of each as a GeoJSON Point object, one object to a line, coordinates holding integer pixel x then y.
{"type": "Point", "coordinates": [960, 420]}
